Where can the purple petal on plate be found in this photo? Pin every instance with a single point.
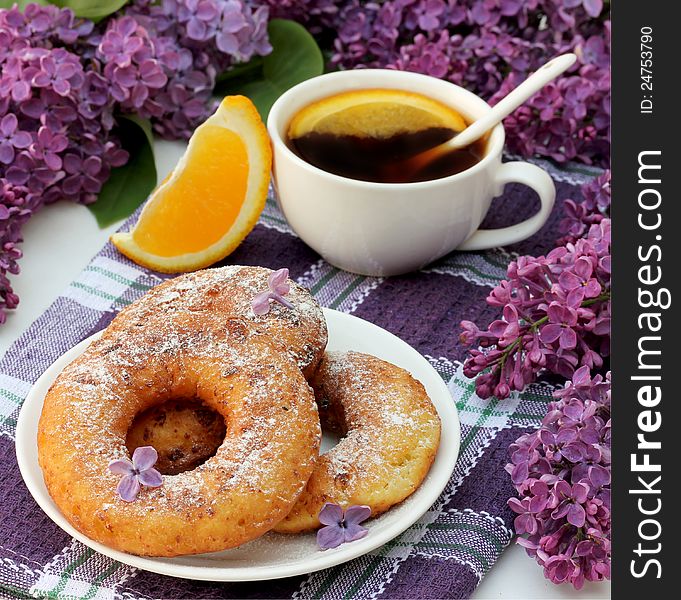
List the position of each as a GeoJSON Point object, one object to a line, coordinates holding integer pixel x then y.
{"type": "Point", "coordinates": [261, 303]}
{"type": "Point", "coordinates": [356, 514]}
{"type": "Point", "coordinates": [122, 466]}
{"type": "Point", "coordinates": [353, 532]}
{"type": "Point", "coordinates": [144, 457]}
{"type": "Point", "coordinates": [330, 536]}
{"type": "Point", "coordinates": [128, 488]}
{"type": "Point", "coordinates": [282, 288]}
{"type": "Point", "coordinates": [150, 478]}
{"type": "Point", "coordinates": [331, 514]}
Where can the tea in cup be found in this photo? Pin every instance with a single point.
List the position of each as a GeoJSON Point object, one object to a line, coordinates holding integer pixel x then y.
{"type": "Point", "coordinates": [369, 134]}
{"type": "Point", "coordinates": [361, 223]}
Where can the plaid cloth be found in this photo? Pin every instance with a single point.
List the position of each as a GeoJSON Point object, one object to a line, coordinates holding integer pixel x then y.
{"type": "Point", "coordinates": [444, 555]}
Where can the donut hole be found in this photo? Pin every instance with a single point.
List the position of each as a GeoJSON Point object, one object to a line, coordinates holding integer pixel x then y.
{"type": "Point", "coordinates": [185, 433]}
{"type": "Point", "coordinates": [330, 439]}
{"type": "Point", "coordinates": [333, 422]}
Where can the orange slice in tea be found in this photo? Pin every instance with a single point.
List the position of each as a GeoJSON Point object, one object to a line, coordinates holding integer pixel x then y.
{"type": "Point", "coordinates": [212, 199]}
{"type": "Point", "coordinates": [375, 113]}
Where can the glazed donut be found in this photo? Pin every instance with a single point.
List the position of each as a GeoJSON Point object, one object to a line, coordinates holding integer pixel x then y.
{"type": "Point", "coordinates": [259, 470]}
{"type": "Point", "coordinates": [391, 434]}
{"type": "Point", "coordinates": [215, 295]}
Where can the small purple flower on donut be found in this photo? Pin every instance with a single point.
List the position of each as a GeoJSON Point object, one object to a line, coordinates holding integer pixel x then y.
{"type": "Point", "coordinates": [136, 472]}
{"type": "Point", "coordinates": [279, 287]}
{"type": "Point", "coordinates": [341, 526]}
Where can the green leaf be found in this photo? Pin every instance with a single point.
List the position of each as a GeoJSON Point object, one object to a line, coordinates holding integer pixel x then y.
{"type": "Point", "coordinates": [129, 185]}
{"type": "Point", "coordinates": [22, 3]}
{"type": "Point", "coordinates": [252, 68]}
{"type": "Point", "coordinates": [295, 57]}
{"type": "Point", "coordinates": [91, 9]}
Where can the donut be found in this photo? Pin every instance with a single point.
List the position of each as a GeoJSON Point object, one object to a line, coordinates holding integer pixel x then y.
{"type": "Point", "coordinates": [215, 295]}
{"type": "Point", "coordinates": [185, 433]}
{"type": "Point", "coordinates": [390, 429]}
{"type": "Point", "coordinates": [262, 465]}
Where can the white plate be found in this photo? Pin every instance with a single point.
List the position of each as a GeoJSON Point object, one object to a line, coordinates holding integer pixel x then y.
{"type": "Point", "coordinates": [273, 555]}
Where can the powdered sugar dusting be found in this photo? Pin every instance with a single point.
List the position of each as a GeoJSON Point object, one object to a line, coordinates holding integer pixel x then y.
{"type": "Point", "coordinates": [175, 342]}
{"type": "Point", "coordinates": [386, 413]}
{"type": "Point", "coordinates": [227, 292]}
{"type": "Point", "coordinates": [258, 439]}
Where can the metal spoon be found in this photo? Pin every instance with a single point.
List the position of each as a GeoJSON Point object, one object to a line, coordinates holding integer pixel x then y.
{"type": "Point", "coordinates": [499, 111]}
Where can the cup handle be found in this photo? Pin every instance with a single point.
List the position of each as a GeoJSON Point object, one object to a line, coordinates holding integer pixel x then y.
{"type": "Point", "coordinates": [527, 174]}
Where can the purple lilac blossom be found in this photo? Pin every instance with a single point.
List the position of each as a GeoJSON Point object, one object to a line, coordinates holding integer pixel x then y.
{"type": "Point", "coordinates": [63, 79]}
{"type": "Point", "coordinates": [318, 16]}
{"type": "Point", "coordinates": [562, 475]}
{"type": "Point", "coordinates": [50, 110]}
{"type": "Point", "coordinates": [555, 316]}
{"type": "Point", "coordinates": [594, 206]}
{"type": "Point", "coordinates": [136, 472]}
{"type": "Point", "coordinates": [489, 47]}
{"type": "Point", "coordinates": [341, 526]}
{"type": "Point", "coordinates": [278, 287]}
{"type": "Point", "coordinates": [183, 46]}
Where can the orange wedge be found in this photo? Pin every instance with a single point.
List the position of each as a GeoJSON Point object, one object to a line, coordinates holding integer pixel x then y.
{"type": "Point", "coordinates": [212, 199]}
{"type": "Point", "coordinates": [375, 113]}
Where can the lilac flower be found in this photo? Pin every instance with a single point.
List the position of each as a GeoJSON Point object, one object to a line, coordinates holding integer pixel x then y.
{"type": "Point", "coordinates": [528, 507]}
{"type": "Point", "coordinates": [563, 507]}
{"type": "Point", "coordinates": [562, 319]}
{"type": "Point", "coordinates": [48, 146]}
{"type": "Point", "coordinates": [62, 80]}
{"type": "Point", "coordinates": [58, 72]}
{"type": "Point", "coordinates": [556, 316]}
{"type": "Point", "coordinates": [69, 29]}
{"type": "Point", "coordinates": [489, 46]}
{"type": "Point", "coordinates": [561, 568]}
{"type": "Point", "coordinates": [121, 42]}
{"type": "Point", "coordinates": [316, 15]}
{"type": "Point", "coordinates": [42, 86]}
{"type": "Point", "coordinates": [341, 526]}
{"type": "Point", "coordinates": [428, 14]}
{"type": "Point", "coordinates": [594, 206]}
{"type": "Point", "coordinates": [436, 57]}
{"type": "Point", "coordinates": [136, 472]}
{"type": "Point", "coordinates": [506, 330]}
{"type": "Point", "coordinates": [592, 7]}
{"type": "Point", "coordinates": [191, 41]}
{"type": "Point", "coordinates": [578, 283]}
{"type": "Point", "coordinates": [11, 138]}
{"type": "Point", "coordinates": [279, 287]}
{"type": "Point", "coordinates": [231, 23]}
{"type": "Point", "coordinates": [132, 85]}
{"type": "Point", "coordinates": [82, 175]}
{"type": "Point", "coordinates": [570, 500]}
{"type": "Point", "coordinates": [201, 15]}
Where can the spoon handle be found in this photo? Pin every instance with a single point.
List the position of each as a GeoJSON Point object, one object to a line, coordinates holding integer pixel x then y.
{"type": "Point", "coordinates": [508, 104]}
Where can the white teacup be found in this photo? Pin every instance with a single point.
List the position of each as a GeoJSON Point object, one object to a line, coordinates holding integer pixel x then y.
{"type": "Point", "coordinates": [392, 228]}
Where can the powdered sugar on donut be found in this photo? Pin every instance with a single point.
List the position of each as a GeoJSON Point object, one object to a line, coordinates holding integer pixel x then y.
{"type": "Point", "coordinates": [176, 343]}
{"type": "Point", "coordinates": [227, 292]}
{"type": "Point", "coordinates": [390, 435]}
